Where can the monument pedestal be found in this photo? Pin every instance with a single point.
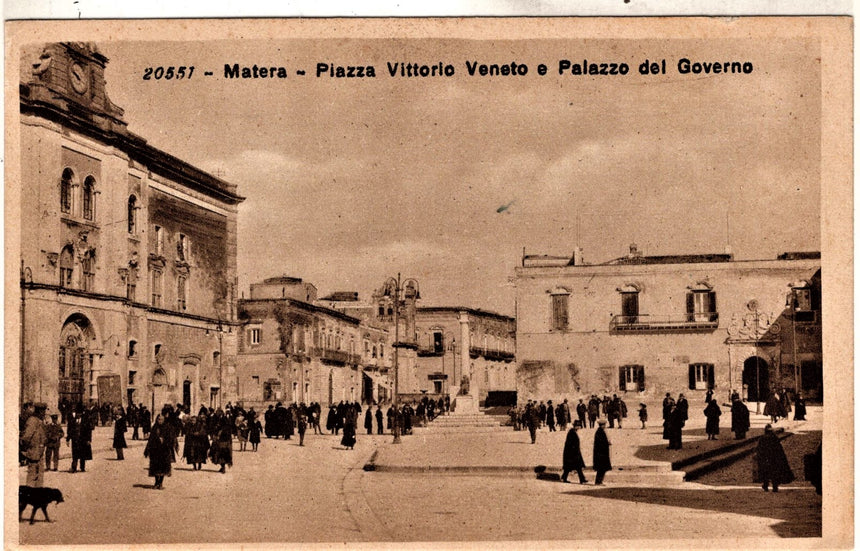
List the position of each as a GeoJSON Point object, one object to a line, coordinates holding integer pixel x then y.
{"type": "Point", "coordinates": [465, 405]}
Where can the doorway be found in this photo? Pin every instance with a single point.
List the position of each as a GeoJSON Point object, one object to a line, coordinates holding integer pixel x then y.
{"type": "Point", "coordinates": [756, 379]}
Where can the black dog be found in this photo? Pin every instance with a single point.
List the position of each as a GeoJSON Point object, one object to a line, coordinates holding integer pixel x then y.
{"type": "Point", "coordinates": [38, 498]}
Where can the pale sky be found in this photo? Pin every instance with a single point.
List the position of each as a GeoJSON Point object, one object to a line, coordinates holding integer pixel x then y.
{"type": "Point", "coordinates": [349, 181]}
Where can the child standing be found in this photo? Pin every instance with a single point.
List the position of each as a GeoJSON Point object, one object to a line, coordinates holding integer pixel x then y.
{"type": "Point", "coordinates": [643, 414]}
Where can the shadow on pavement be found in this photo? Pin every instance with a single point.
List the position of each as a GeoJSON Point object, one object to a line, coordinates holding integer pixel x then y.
{"type": "Point", "coordinates": [800, 510]}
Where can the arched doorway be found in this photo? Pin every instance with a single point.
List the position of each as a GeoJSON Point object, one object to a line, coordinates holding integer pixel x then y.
{"type": "Point", "coordinates": [756, 379]}
{"type": "Point", "coordinates": [75, 360]}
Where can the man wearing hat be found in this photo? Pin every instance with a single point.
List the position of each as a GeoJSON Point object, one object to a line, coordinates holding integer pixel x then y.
{"type": "Point", "coordinates": [601, 462]}
{"type": "Point", "coordinates": [572, 458]}
{"type": "Point", "coordinates": [54, 434]}
{"type": "Point", "coordinates": [33, 445]}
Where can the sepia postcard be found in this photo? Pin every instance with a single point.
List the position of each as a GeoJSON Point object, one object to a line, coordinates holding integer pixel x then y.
{"type": "Point", "coordinates": [392, 283]}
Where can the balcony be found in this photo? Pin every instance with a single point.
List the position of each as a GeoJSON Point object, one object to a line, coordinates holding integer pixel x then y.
{"type": "Point", "coordinates": [645, 323]}
{"type": "Point", "coordinates": [340, 357]}
{"type": "Point", "coordinates": [490, 354]}
{"type": "Point", "coordinates": [425, 352]}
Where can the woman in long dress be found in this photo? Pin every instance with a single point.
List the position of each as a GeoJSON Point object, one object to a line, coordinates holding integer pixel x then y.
{"type": "Point", "coordinates": [221, 452]}
{"type": "Point", "coordinates": [196, 443]}
{"type": "Point", "coordinates": [712, 413]}
{"type": "Point", "coordinates": [160, 449]}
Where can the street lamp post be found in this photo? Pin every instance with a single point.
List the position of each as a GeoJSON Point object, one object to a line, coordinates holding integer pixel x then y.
{"type": "Point", "coordinates": [393, 289]}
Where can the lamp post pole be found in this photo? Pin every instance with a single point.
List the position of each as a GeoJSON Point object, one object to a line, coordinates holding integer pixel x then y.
{"type": "Point", "coordinates": [398, 417]}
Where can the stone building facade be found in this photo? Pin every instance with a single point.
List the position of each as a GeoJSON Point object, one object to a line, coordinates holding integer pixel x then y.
{"type": "Point", "coordinates": [645, 325]}
{"type": "Point", "coordinates": [128, 254]}
{"type": "Point", "coordinates": [292, 350]}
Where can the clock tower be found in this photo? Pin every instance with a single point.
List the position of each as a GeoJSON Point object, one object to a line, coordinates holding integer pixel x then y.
{"type": "Point", "coordinates": [69, 77]}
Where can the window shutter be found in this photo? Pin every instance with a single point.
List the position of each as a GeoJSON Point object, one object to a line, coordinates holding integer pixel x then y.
{"type": "Point", "coordinates": [622, 379]}
{"type": "Point", "coordinates": [712, 305]}
{"type": "Point", "coordinates": [692, 376]}
{"type": "Point", "coordinates": [711, 376]}
{"type": "Point", "coordinates": [690, 307]}
{"type": "Point", "coordinates": [641, 378]}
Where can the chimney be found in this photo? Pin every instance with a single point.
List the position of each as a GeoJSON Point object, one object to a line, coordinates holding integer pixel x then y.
{"type": "Point", "coordinates": [577, 256]}
{"type": "Point", "coordinates": [634, 251]}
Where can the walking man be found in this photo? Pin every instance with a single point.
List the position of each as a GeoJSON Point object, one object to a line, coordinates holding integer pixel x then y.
{"type": "Point", "coordinates": [600, 460]}
{"type": "Point", "coordinates": [572, 458]}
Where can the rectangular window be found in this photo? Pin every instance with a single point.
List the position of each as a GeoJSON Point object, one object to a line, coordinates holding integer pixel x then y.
{"type": "Point", "coordinates": [88, 270]}
{"type": "Point", "coordinates": [130, 289]}
{"type": "Point", "coordinates": [701, 376]}
{"type": "Point", "coordinates": [159, 240]}
{"type": "Point", "coordinates": [132, 349]}
{"type": "Point", "coordinates": [181, 289]}
{"type": "Point", "coordinates": [255, 380]}
{"type": "Point", "coordinates": [182, 247]}
{"type": "Point", "coordinates": [559, 312]}
{"type": "Point", "coordinates": [631, 377]}
{"type": "Point", "coordinates": [254, 336]}
{"type": "Point", "coordinates": [156, 288]}
{"type": "Point", "coordinates": [131, 375]}
{"type": "Point", "coordinates": [438, 344]}
{"type": "Point", "coordinates": [702, 306]}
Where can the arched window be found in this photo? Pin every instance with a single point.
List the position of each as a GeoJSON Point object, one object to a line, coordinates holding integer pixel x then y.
{"type": "Point", "coordinates": [132, 216]}
{"type": "Point", "coordinates": [67, 264]}
{"type": "Point", "coordinates": [66, 191]}
{"type": "Point", "coordinates": [89, 198]}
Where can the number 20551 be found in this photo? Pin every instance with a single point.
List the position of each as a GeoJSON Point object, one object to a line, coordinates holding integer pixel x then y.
{"type": "Point", "coordinates": [168, 73]}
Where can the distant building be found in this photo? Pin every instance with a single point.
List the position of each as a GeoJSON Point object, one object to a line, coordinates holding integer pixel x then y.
{"type": "Point", "coordinates": [291, 350]}
{"type": "Point", "coordinates": [646, 325]}
{"type": "Point", "coordinates": [432, 361]}
{"type": "Point", "coordinates": [128, 254]}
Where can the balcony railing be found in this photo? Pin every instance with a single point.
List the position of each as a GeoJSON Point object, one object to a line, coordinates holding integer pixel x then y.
{"type": "Point", "coordinates": [423, 352]}
{"type": "Point", "coordinates": [337, 356]}
{"type": "Point", "coordinates": [491, 354]}
{"type": "Point", "coordinates": [646, 323]}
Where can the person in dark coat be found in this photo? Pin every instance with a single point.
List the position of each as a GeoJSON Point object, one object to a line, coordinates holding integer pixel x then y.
{"type": "Point", "coordinates": [643, 413]}
{"type": "Point", "coordinates": [674, 426]}
{"type": "Point", "coordinates": [531, 415]}
{"type": "Point", "coordinates": [379, 417]}
{"type": "Point", "coordinates": [119, 429]}
{"type": "Point", "coordinates": [254, 430]}
{"type": "Point", "coordinates": [145, 420]}
{"type": "Point", "coordinates": [785, 403]}
{"type": "Point", "coordinates": [368, 420]}
{"type": "Point", "coordinates": [712, 414]}
{"type": "Point", "coordinates": [799, 408]}
{"type": "Point", "coordinates": [572, 457]}
{"type": "Point", "coordinates": [196, 443]}
{"type": "Point", "coordinates": [301, 423]}
{"type": "Point", "coordinates": [684, 408]}
{"type": "Point", "coordinates": [771, 462]}
{"type": "Point", "coordinates": [550, 416]}
{"type": "Point", "coordinates": [600, 460]}
{"type": "Point", "coordinates": [773, 407]}
{"type": "Point", "coordinates": [593, 410]}
{"type": "Point", "coordinates": [740, 418]}
{"type": "Point", "coordinates": [581, 412]}
{"type": "Point", "coordinates": [268, 417]}
{"type": "Point", "coordinates": [348, 439]}
{"type": "Point", "coordinates": [80, 433]}
{"type": "Point", "coordinates": [160, 449]}
{"type": "Point", "coordinates": [668, 406]}
{"type": "Point", "coordinates": [221, 451]}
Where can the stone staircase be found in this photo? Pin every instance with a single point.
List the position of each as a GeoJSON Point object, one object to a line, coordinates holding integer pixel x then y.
{"type": "Point", "coordinates": [467, 422]}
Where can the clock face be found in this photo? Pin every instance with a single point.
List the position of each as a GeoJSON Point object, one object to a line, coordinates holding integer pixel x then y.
{"type": "Point", "coordinates": [80, 78]}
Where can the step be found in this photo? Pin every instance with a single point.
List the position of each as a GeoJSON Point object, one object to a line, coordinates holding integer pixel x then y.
{"type": "Point", "coordinates": [632, 476]}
